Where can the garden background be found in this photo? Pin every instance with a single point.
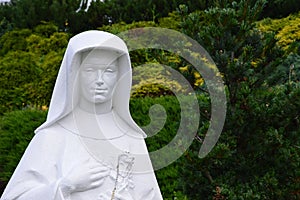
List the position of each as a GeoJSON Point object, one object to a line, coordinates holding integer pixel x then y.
{"type": "Point", "coordinates": [255, 45]}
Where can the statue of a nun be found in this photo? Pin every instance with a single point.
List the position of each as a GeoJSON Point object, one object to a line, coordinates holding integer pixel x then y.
{"type": "Point", "coordinates": [89, 148]}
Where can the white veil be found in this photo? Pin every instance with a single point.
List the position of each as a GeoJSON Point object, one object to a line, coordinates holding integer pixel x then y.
{"type": "Point", "coordinates": [62, 101]}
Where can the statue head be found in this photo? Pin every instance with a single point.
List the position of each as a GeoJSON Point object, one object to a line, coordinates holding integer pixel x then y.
{"type": "Point", "coordinates": [96, 68]}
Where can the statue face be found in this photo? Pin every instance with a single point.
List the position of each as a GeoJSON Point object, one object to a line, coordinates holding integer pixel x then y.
{"type": "Point", "coordinates": [98, 77]}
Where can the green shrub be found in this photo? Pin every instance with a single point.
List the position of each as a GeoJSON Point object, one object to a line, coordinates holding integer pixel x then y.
{"type": "Point", "coordinates": [46, 29]}
{"type": "Point", "coordinates": [18, 70]}
{"type": "Point", "coordinates": [29, 62]}
{"type": "Point", "coordinates": [14, 41]}
{"type": "Point", "coordinates": [16, 130]}
{"type": "Point", "coordinates": [286, 29]}
{"type": "Point", "coordinates": [144, 114]}
{"type": "Point", "coordinates": [167, 177]}
{"type": "Point", "coordinates": [153, 80]}
{"type": "Point", "coordinates": [117, 28]}
{"type": "Point", "coordinates": [257, 155]}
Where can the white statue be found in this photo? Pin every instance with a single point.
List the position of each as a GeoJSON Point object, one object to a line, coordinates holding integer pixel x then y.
{"type": "Point", "coordinates": [89, 147]}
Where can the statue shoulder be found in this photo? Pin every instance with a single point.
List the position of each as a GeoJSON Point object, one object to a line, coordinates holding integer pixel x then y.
{"type": "Point", "coordinates": [53, 133]}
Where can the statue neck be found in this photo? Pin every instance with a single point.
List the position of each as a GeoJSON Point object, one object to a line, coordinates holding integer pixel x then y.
{"type": "Point", "coordinates": [98, 108]}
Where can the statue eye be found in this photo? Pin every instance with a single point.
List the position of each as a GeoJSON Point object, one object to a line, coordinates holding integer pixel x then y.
{"type": "Point", "coordinates": [89, 70]}
{"type": "Point", "coordinates": [110, 70]}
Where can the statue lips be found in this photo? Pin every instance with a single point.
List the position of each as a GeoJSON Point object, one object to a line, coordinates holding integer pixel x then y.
{"type": "Point", "coordinates": [100, 90]}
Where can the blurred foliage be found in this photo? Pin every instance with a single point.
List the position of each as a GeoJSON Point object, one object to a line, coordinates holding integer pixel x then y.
{"type": "Point", "coordinates": [140, 110]}
{"type": "Point", "coordinates": [13, 41]}
{"type": "Point", "coordinates": [287, 71]}
{"type": "Point", "coordinates": [122, 26]}
{"type": "Point", "coordinates": [29, 63]}
{"type": "Point", "coordinates": [280, 8]}
{"type": "Point", "coordinates": [154, 80]}
{"type": "Point", "coordinates": [258, 158]}
{"type": "Point", "coordinates": [287, 31]}
{"type": "Point", "coordinates": [16, 131]}
{"type": "Point", "coordinates": [68, 17]}
{"type": "Point", "coordinates": [17, 71]}
{"type": "Point", "coordinates": [172, 21]}
{"type": "Point", "coordinates": [260, 137]}
{"type": "Point", "coordinates": [5, 26]}
{"type": "Point", "coordinates": [30, 13]}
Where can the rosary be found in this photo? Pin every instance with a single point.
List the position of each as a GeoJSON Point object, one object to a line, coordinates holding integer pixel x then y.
{"type": "Point", "coordinates": [116, 182]}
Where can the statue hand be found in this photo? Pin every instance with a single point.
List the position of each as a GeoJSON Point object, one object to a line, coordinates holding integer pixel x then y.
{"type": "Point", "coordinates": [84, 176]}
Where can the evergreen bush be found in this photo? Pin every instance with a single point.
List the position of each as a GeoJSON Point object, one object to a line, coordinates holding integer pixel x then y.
{"type": "Point", "coordinates": [16, 131]}
{"type": "Point", "coordinates": [29, 63]}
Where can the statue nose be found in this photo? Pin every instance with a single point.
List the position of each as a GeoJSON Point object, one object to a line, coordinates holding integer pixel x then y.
{"type": "Point", "coordinates": [99, 79]}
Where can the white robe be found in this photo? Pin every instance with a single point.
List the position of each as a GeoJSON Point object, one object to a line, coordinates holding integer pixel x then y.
{"type": "Point", "coordinates": [55, 151]}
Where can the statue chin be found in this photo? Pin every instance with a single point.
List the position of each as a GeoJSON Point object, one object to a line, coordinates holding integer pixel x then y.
{"type": "Point", "coordinates": [98, 99]}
